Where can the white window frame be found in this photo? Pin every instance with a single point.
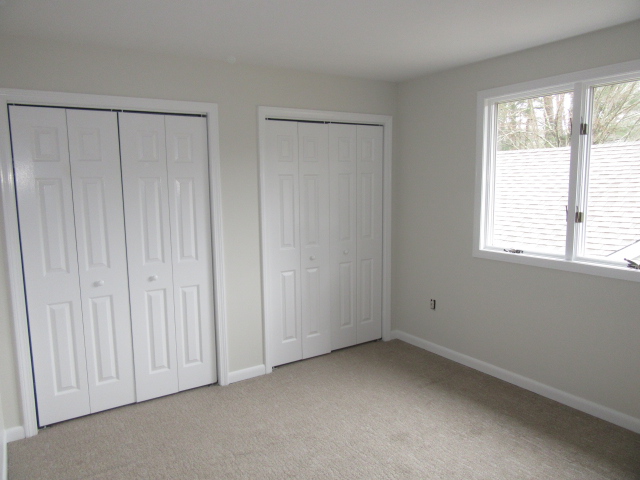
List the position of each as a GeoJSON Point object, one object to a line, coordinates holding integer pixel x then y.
{"type": "Point", "coordinates": [580, 83]}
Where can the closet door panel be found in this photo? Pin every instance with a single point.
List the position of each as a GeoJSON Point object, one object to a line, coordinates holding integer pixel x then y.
{"type": "Point", "coordinates": [313, 140]}
{"type": "Point", "coordinates": [146, 205]}
{"type": "Point", "coordinates": [102, 259]}
{"type": "Point", "coordinates": [188, 179]}
{"type": "Point", "coordinates": [369, 232]}
{"type": "Point", "coordinates": [343, 165]}
{"type": "Point", "coordinates": [282, 240]}
{"type": "Point", "coordinates": [45, 209]}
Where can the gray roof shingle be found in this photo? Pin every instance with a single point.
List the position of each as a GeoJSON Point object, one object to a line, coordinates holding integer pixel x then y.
{"type": "Point", "coordinates": [531, 191]}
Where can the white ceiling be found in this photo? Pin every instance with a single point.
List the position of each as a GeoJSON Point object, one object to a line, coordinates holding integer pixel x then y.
{"type": "Point", "coordinates": [379, 39]}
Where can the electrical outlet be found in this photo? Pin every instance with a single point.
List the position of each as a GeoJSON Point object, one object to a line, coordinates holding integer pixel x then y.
{"type": "Point", "coordinates": [433, 304]}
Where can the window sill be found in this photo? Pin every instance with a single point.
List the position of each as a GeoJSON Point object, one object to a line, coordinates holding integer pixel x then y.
{"type": "Point", "coordinates": [608, 271]}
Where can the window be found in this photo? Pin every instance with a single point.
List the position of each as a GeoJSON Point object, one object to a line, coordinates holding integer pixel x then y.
{"type": "Point", "coordinates": [559, 172]}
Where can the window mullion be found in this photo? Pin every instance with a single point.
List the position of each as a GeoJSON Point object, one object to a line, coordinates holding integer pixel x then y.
{"type": "Point", "coordinates": [582, 179]}
{"type": "Point", "coordinates": [576, 183]}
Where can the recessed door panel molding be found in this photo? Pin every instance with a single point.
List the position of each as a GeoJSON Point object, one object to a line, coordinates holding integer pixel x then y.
{"type": "Point", "coordinates": [152, 199]}
{"type": "Point", "coordinates": [367, 206]}
{"type": "Point", "coordinates": [44, 193]}
{"type": "Point", "coordinates": [312, 310]}
{"type": "Point", "coordinates": [366, 293]}
{"type": "Point", "coordinates": [64, 355]}
{"type": "Point", "coordinates": [192, 325]}
{"type": "Point", "coordinates": [97, 192]}
{"type": "Point", "coordinates": [150, 145]}
{"type": "Point", "coordinates": [287, 200]}
{"type": "Point", "coordinates": [345, 196]}
{"type": "Point", "coordinates": [53, 219]}
{"type": "Point", "coordinates": [48, 145]}
{"type": "Point", "coordinates": [192, 256]}
{"type": "Point", "coordinates": [88, 139]}
{"type": "Point", "coordinates": [157, 323]}
{"type": "Point", "coordinates": [146, 211]}
{"type": "Point", "coordinates": [286, 148]}
{"type": "Point", "coordinates": [346, 299]}
{"type": "Point", "coordinates": [94, 205]}
{"type": "Point", "coordinates": [311, 206]}
{"type": "Point", "coordinates": [103, 341]}
{"type": "Point", "coordinates": [289, 307]}
{"type": "Point", "coordinates": [185, 207]}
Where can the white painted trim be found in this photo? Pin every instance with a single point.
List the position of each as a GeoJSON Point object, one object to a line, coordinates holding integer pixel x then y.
{"type": "Point", "coordinates": [8, 195]}
{"type": "Point", "coordinates": [215, 198]}
{"type": "Point", "coordinates": [4, 462]}
{"type": "Point", "coordinates": [386, 230]}
{"type": "Point", "coordinates": [14, 433]}
{"type": "Point", "coordinates": [605, 73]}
{"type": "Point", "coordinates": [576, 266]}
{"type": "Point", "coordinates": [16, 281]}
{"type": "Point", "coordinates": [579, 403]}
{"type": "Point", "coordinates": [320, 115]}
{"type": "Point", "coordinates": [4, 467]}
{"type": "Point", "coordinates": [246, 373]}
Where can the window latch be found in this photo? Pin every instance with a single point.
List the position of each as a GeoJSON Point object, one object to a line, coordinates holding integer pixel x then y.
{"type": "Point", "coordinates": [632, 264]}
{"type": "Point", "coordinates": [579, 218]}
{"type": "Point", "coordinates": [583, 129]}
{"type": "Point", "coordinates": [512, 250]}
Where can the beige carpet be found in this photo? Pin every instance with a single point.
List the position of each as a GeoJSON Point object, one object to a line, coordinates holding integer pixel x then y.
{"type": "Point", "coordinates": [380, 410]}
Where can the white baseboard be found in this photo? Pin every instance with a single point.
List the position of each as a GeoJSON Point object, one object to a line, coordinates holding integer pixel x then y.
{"type": "Point", "coordinates": [247, 373]}
{"type": "Point", "coordinates": [8, 435]}
{"type": "Point", "coordinates": [4, 464]}
{"type": "Point", "coordinates": [587, 406]}
{"type": "Point", "coordinates": [14, 433]}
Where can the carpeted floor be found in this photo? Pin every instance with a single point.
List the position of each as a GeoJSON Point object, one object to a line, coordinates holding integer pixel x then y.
{"type": "Point", "coordinates": [376, 411]}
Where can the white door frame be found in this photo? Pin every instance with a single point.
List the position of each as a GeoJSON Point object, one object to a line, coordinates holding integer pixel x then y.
{"type": "Point", "coordinates": [326, 116]}
{"type": "Point", "coordinates": [12, 238]}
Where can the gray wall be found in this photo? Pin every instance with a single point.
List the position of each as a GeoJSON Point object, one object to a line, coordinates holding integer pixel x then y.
{"type": "Point", "coordinates": [238, 90]}
{"type": "Point", "coordinates": [575, 332]}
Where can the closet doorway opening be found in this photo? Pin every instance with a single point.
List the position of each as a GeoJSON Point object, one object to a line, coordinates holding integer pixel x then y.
{"type": "Point", "coordinates": [72, 105]}
{"type": "Point", "coordinates": [325, 205]}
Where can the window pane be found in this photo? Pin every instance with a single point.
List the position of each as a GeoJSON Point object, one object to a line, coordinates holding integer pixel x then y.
{"type": "Point", "coordinates": [612, 229]}
{"type": "Point", "coordinates": [531, 180]}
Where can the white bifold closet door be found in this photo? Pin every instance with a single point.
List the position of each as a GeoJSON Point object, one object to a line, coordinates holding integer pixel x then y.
{"type": "Point", "coordinates": [166, 199]}
{"type": "Point", "coordinates": [356, 233]}
{"type": "Point", "coordinates": [323, 237]}
{"type": "Point", "coordinates": [69, 196]}
{"type": "Point", "coordinates": [297, 239]}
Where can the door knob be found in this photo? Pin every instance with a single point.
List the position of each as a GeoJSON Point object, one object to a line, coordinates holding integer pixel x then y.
{"type": "Point", "coordinates": [346, 252]}
{"type": "Point", "coordinates": [153, 278]}
{"type": "Point", "coordinates": [312, 257]}
{"type": "Point", "coordinates": [98, 283]}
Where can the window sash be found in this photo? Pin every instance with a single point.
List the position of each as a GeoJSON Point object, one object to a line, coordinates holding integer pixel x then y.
{"type": "Point", "coordinates": [586, 150]}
